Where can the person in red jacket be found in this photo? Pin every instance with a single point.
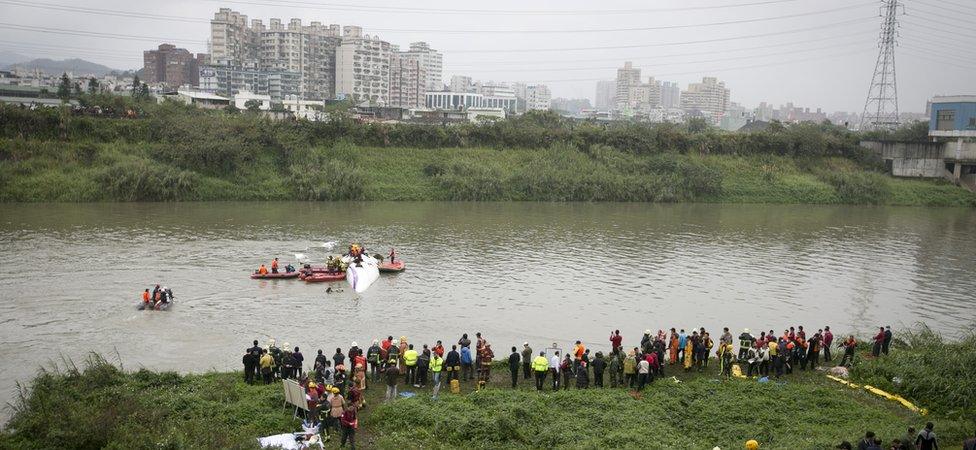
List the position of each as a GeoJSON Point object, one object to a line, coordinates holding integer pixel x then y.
{"type": "Point", "coordinates": [616, 339]}
{"type": "Point", "coordinates": [828, 339]}
{"type": "Point", "coordinates": [878, 340]}
{"type": "Point", "coordinates": [349, 422]}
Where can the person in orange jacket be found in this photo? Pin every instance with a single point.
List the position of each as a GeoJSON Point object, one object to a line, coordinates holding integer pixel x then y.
{"type": "Point", "coordinates": [274, 266]}
{"type": "Point", "coordinates": [262, 270]}
{"type": "Point", "coordinates": [145, 297]}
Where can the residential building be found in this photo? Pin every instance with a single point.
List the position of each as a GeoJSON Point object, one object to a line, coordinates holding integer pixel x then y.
{"type": "Point", "coordinates": [498, 95]}
{"type": "Point", "coordinates": [231, 39]}
{"type": "Point", "coordinates": [670, 95]}
{"type": "Point", "coordinates": [536, 97]}
{"type": "Point", "coordinates": [460, 83]}
{"type": "Point", "coordinates": [432, 63]}
{"type": "Point", "coordinates": [736, 117]}
{"type": "Point", "coordinates": [571, 106]}
{"type": "Point", "coordinates": [628, 79]}
{"type": "Point", "coordinates": [408, 80]}
{"type": "Point", "coordinates": [710, 98]}
{"type": "Point", "coordinates": [606, 92]}
{"type": "Point", "coordinates": [172, 66]}
{"type": "Point", "coordinates": [363, 67]}
{"type": "Point", "coordinates": [230, 80]}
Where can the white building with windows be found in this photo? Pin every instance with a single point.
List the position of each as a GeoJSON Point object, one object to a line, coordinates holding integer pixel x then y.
{"type": "Point", "coordinates": [363, 68]}
{"type": "Point", "coordinates": [454, 100]}
{"type": "Point", "coordinates": [710, 97]}
{"type": "Point", "coordinates": [431, 62]}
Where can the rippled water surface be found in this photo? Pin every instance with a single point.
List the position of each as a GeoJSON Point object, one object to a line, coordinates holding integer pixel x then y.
{"type": "Point", "coordinates": [515, 271]}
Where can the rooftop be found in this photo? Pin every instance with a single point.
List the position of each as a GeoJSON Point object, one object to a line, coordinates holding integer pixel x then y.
{"type": "Point", "coordinates": [954, 99]}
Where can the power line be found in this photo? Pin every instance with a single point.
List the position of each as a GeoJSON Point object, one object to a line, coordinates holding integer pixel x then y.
{"type": "Point", "coordinates": [931, 14]}
{"type": "Point", "coordinates": [917, 54]}
{"type": "Point", "coordinates": [954, 34]}
{"type": "Point", "coordinates": [755, 66]}
{"type": "Point", "coordinates": [667, 44]}
{"type": "Point", "coordinates": [606, 30]}
{"type": "Point", "coordinates": [941, 7]}
{"type": "Point", "coordinates": [105, 12]}
{"type": "Point", "coordinates": [733, 58]}
{"type": "Point", "coordinates": [618, 59]}
{"type": "Point", "coordinates": [11, 26]}
{"type": "Point", "coordinates": [412, 10]}
{"type": "Point", "coordinates": [130, 14]}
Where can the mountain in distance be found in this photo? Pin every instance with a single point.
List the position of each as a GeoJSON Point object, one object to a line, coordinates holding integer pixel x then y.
{"type": "Point", "coordinates": [8, 57]}
{"type": "Point", "coordinates": [75, 66]}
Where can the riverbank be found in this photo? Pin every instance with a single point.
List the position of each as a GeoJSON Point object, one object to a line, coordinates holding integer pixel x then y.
{"type": "Point", "coordinates": [54, 171]}
{"type": "Point", "coordinates": [103, 406]}
{"type": "Point", "coordinates": [176, 153]}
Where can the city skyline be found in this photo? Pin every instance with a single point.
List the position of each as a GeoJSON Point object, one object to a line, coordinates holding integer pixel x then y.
{"type": "Point", "coordinates": [778, 52]}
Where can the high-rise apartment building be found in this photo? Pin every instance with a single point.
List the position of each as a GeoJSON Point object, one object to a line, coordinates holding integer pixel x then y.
{"type": "Point", "coordinates": [363, 67]}
{"type": "Point", "coordinates": [231, 39]}
{"type": "Point", "coordinates": [173, 66]}
{"type": "Point", "coordinates": [628, 79]}
{"type": "Point", "coordinates": [606, 92]}
{"type": "Point", "coordinates": [408, 80]}
{"type": "Point", "coordinates": [670, 95]}
{"type": "Point", "coordinates": [432, 62]}
{"type": "Point", "coordinates": [711, 97]}
{"type": "Point", "coordinates": [461, 83]}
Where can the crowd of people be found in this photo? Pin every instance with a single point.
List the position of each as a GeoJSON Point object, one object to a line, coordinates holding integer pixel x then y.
{"type": "Point", "coordinates": [158, 297]}
{"type": "Point", "coordinates": [334, 385]}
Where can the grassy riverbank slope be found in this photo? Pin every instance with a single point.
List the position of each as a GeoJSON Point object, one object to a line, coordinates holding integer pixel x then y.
{"type": "Point", "coordinates": [184, 154]}
{"type": "Point", "coordinates": [102, 406]}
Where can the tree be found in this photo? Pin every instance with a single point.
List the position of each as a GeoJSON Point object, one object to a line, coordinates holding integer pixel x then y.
{"type": "Point", "coordinates": [77, 89]}
{"type": "Point", "coordinates": [92, 85]}
{"type": "Point", "coordinates": [252, 105]}
{"type": "Point", "coordinates": [144, 91]}
{"type": "Point", "coordinates": [697, 124]}
{"type": "Point", "coordinates": [135, 85]}
{"type": "Point", "coordinates": [64, 88]}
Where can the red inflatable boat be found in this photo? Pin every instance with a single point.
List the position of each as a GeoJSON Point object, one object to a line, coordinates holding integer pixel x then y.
{"type": "Point", "coordinates": [269, 275]}
{"type": "Point", "coordinates": [398, 266]}
{"type": "Point", "coordinates": [321, 277]}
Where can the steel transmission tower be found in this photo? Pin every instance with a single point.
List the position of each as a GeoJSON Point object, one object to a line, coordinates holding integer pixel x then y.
{"type": "Point", "coordinates": [881, 106]}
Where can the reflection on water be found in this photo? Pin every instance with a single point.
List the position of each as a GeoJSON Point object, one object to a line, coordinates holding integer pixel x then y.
{"type": "Point", "coordinates": [515, 271]}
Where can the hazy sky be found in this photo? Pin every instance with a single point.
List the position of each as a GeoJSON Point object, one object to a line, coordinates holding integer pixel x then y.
{"type": "Point", "coordinates": [813, 53]}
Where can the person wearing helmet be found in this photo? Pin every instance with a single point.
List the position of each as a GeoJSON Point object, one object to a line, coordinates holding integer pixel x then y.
{"type": "Point", "coordinates": [752, 444]}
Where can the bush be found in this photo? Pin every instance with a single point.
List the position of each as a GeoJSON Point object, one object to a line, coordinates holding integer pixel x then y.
{"type": "Point", "coordinates": [858, 187]}
{"type": "Point", "coordinates": [140, 180]}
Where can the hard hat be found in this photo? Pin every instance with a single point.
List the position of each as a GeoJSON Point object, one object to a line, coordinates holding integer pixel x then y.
{"type": "Point", "coordinates": [752, 444]}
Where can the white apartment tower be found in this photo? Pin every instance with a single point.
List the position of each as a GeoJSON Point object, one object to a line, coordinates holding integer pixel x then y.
{"type": "Point", "coordinates": [538, 97]}
{"type": "Point", "coordinates": [711, 97]}
{"type": "Point", "coordinates": [670, 95]}
{"type": "Point", "coordinates": [363, 67]}
{"type": "Point", "coordinates": [432, 62]}
{"type": "Point", "coordinates": [628, 78]}
{"type": "Point", "coordinates": [461, 83]}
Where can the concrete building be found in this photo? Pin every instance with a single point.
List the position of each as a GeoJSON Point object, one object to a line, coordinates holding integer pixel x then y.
{"type": "Point", "coordinates": [460, 83]}
{"type": "Point", "coordinates": [432, 63]}
{"type": "Point", "coordinates": [628, 79]}
{"type": "Point", "coordinates": [606, 92]}
{"type": "Point", "coordinates": [240, 100]}
{"type": "Point", "coordinates": [231, 39]}
{"type": "Point", "coordinates": [204, 100]}
{"type": "Point", "coordinates": [736, 117]}
{"type": "Point", "coordinates": [499, 95]}
{"type": "Point", "coordinates": [670, 95]}
{"type": "Point", "coordinates": [710, 98]}
{"type": "Point", "coordinates": [172, 66]}
{"type": "Point", "coordinates": [229, 80]}
{"type": "Point", "coordinates": [537, 97]}
{"type": "Point", "coordinates": [312, 110]}
{"type": "Point", "coordinates": [408, 80]}
{"type": "Point", "coordinates": [363, 67]}
{"type": "Point", "coordinates": [453, 100]}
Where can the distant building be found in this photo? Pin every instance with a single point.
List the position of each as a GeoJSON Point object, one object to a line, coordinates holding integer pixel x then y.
{"type": "Point", "coordinates": [453, 100]}
{"type": "Point", "coordinates": [572, 106]}
{"type": "Point", "coordinates": [537, 97]}
{"type": "Point", "coordinates": [606, 92]}
{"type": "Point", "coordinates": [460, 83]}
{"type": "Point", "coordinates": [670, 95]}
{"type": "Point", "coordinates": [408, 80]}
{"type": "Point", "coordinates": [363, 68]}
{"type": "Point", "coordinates": [628, 79]}
{"type": "Point", "coordinates": [432, 63]}
{"type": "Point", "coordinates": [710, 98]}
{"type": "Point", "coordinates": [172, 66]}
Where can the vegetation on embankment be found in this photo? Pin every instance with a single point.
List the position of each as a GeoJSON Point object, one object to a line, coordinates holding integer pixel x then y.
{"type": "Point", "coordinates": [173, 152]}
{"type": "Point", "coordinates": [101, 406]}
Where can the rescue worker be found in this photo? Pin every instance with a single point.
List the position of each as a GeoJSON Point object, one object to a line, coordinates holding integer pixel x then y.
{"type": "Point", "coordinates": [745, 343]}
{"type": "Point", "coordinates": [878, 342]}
{"type": "Point", "coordinates": [849, 345]}
{"type": "Point", "coordinates": [616, 368]}
{"type": "Point", "coordinates": [466, 363]}
{"type": "Point", "coordinates": [630, 368]}
{"type": "Point", "coordinates": [274, 266]}
{"type": "Point", "coordinates": [392, 375]}
{"type": "Point", "coordinates": [423, 365]}
{"type": "Point", "coordinates": [267, 366]}
{"type": "Point", "coordinates": [887, 340]}
{"type": "Point", "coordinates": [436, 364]}
{"type": "Point", "coordinates": [145, 298]}
{"type": "Point", "coordinates": [554, 363]}
{"type": "Point", "coordinates": [262, 270]}
{"type": "Point", "coordinates": [578, 350]}
{"type": "Point", "coordinates": [828, 339]}
{"type": "Point", "coordinates": [616, 339]}
{"type": "Point", "coordinates": [393, 255]}
{"type": "Point", "coordinates": [373, 358]}
{"type": "Point", "coordinates": [484, 371]}
{"type": "Point", "coordinates": [410, 362]}
{"type": "Point", "coordinates": [540, 365]}
{"type": "Point", "coordinates": [599, 366]}
{"type": "Point", "coordinates": [566, 369]}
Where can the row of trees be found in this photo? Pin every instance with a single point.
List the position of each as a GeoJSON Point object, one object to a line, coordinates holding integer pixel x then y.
{"type": "Point", "coordinates": [68, 89]}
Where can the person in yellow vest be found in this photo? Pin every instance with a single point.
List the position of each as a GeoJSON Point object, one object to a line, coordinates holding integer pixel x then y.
{"type": "Point", "coordinates": [436, 364]}
{"type": "Point", "coordinates": [410, 362]}
{"type": "Point", "coordinates": [540, 365]}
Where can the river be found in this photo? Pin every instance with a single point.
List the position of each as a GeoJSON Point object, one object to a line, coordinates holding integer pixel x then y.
{"type": "Point", "coordinates": [537, 272]}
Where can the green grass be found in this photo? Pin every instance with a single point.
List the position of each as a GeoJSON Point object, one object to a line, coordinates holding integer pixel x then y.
{"type": "Point", "coordinates": [119, 171]}
{"type": "Point", "coordinates": [101, 406]}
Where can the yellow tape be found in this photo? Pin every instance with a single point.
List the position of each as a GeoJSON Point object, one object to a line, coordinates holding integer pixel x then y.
{"type": "Point", "coordinates": [907, 404]}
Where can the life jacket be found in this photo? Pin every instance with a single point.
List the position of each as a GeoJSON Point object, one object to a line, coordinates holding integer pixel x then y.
{"type": "Point", "coordinates": [540, 364]}
{"type": "Point", "coordinates": [436, 362]}
{"type": "Point", "coordinates": [274, 264]}
{"type": "Point", "coordinates": [145, 296]}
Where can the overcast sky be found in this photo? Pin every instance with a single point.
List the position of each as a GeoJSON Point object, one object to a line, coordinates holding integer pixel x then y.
{"type": "Point", "coordinates": [814, 53]}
